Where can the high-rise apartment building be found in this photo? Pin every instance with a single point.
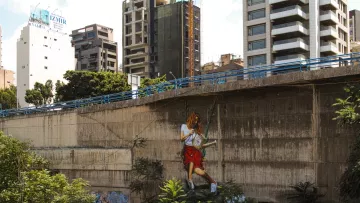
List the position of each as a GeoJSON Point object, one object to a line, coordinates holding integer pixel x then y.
{"type": "Point", "coordinates": [6, 78]}
{"type": "Point", "coordinates": [44, 52]}
{"type": "Point", "coordinates": [354, 24]}
{"type": "Point", "coordinates": [95, 49]}
{"type": "Point", "coordinates": [280, 31]}
{"type": "Point", "coordinates": [155, 38]}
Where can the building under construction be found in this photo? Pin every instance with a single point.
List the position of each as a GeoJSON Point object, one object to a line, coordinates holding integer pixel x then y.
{"type": "Point", "coordinates": [159, 38]}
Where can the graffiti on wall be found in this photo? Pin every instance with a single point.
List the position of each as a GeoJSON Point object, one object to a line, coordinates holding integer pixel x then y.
{"type": "Point", "coordinates": [111, 197]}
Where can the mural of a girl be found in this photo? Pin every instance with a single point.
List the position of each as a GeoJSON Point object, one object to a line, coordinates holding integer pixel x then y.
{"type": "Point", "coordinates": [193, 161]}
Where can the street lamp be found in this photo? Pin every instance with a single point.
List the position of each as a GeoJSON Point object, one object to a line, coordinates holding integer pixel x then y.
{"type": "Point", "coordinates": [175, 79]}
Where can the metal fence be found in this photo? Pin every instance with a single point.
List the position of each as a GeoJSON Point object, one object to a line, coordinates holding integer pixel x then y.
{"type": "Point", "coordinates": [206, 79]}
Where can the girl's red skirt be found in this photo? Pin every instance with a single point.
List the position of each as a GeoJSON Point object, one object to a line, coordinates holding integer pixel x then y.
{"type": "Point", "coordinates": [191, 154]}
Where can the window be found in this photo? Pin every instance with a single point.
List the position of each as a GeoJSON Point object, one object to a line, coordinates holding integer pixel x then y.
{"type": "Point", "coordinates": [91, 34]}
{"type": "Point", "coordinates": [257, 60]}
{"type": "Point", "coordinates": [253, 2]}
{"type": "Point", "coordinates": [46, 67]}
{"type": "Point", "coordinates": [256, 14]}
{"type": "Point", "coordinates": [104, 34]}
{"type": "Point", "coordinates": [257, 29]}
{"type": "Point", "coordinates": [259, 44]}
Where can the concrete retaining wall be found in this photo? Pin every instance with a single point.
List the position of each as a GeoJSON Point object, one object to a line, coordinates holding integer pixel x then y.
{"type": "Point", "coordinates": [269, 137]}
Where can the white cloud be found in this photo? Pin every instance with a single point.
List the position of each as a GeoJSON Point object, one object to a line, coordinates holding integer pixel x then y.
{"type": "Point", "coordinates": [221, 23]}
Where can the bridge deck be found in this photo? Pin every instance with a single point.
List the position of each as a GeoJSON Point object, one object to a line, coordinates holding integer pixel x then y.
{"type": "Point", "coordinates": [287, 73]}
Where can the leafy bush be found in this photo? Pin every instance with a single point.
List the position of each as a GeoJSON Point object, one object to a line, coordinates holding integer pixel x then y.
{"type": "Point", "coordinates": [24, 177]}
{"type": "Point", "coordinates": [305, 192]}
{"type": "Point", "coordinates": [147, 175]}
{"type": "Point", "coordinates": [348, 115]}
{"type": "Point", "coordinates": [172, 192]}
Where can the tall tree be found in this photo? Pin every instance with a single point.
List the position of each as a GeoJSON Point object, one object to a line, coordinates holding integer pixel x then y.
{"type": "Point", "coordinates": [24, 177]}
{"type": "Point", "coordinates": [85, 84]}
{"type": "Point", "coordinates": [58, 86]}
{"type": "Point", "coordinates": [41, 94]}
{"type": "Point", "coordinates": [8, 98]}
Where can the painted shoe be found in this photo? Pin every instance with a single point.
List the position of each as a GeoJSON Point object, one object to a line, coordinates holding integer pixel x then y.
{"type": "Point", "coordinates": [213, 187]}
{"type": "Point", "coordinates": [191, 184]}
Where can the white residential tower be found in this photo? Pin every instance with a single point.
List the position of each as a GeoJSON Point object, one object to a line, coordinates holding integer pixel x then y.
{"type": "Point", "coordinates": [43, 53]}
{"type": "Point", "coordinates": [281, 31]}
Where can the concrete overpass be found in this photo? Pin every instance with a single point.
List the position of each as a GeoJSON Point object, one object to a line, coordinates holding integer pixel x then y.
{"type": "Point", "coordinates": [272, 132]}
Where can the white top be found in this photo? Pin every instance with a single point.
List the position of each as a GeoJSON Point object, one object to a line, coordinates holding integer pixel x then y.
{"type": "Point", "coordinates": [186, 131]}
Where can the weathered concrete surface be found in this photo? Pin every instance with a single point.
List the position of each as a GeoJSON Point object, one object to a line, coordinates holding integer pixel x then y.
{"type": "Point", "coordinates": [88, 159]}
{"type": "Point", "coordinates": [272, 133]}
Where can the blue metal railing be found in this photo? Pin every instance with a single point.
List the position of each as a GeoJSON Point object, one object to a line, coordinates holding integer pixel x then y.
{"type": "Point", "coordinates": [206, 79]}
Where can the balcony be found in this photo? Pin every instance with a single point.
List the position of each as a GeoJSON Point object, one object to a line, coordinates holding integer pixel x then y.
{"type": "Point", "coordinates": [328, 18]}
{"type": "Point", "coordinates": [328, 48]}
{"type": "Point", "coordinates": [289, 28]}
{"type": "Point", "coordinates": [137, 54]}
{"type": "Point", "coordinates": [292, 13]}
{"type": "Point", "coordinates": [329, 4]}
{"type": "Point", "coordinates": [290, 59]}
{"type": "Point", "coordinates": [287, 1]}
{"type": "Point", "coordinates": [110, 68]}
{"type": "Point", "coordinates": [295, 44]}
{"type": "Point", "coordinates": [133, 65]}
{"type": "Point", "coordinates": [328, 33]}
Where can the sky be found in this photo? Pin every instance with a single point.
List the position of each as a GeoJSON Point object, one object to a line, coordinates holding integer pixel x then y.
{"type": "Point", "coordinates": [222, 27]}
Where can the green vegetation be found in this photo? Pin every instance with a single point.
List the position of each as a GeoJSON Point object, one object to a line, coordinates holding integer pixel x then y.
{"type": "Point", "coordinates": [172, 192]}
{"type": "Point", "coordinates": [147, 175]}
{"type": "Point", "coordinates": [146, 82]}
{"type": "Point", "coordinates": [25, 178]}
{"type": "Point", "coordinates": [304, 192]}
{"type": "Point", "coordinates": [85, 84]}
{"type": "Point", "coordinates": [8, 98]}
{"type": "Point", "coordinates": [229, 192]}
{"type": "Point", "coordinates": [41, 94]}
{"type": "Point", "coordinates": [348, 115]}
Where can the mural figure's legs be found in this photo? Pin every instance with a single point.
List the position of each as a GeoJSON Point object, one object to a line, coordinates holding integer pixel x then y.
{"type": "Point", "coordinates": [206, 176]}
{"type": "Point", "coordinates": [190, 172]}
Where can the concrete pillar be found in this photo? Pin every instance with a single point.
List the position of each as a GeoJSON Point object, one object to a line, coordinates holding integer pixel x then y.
{"type": "Point", "coordinates": [221, 164]}
{"type": "Point", "coordinates": [315, 131]}
{"type": "Point", "coordinates": [314, 27]}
